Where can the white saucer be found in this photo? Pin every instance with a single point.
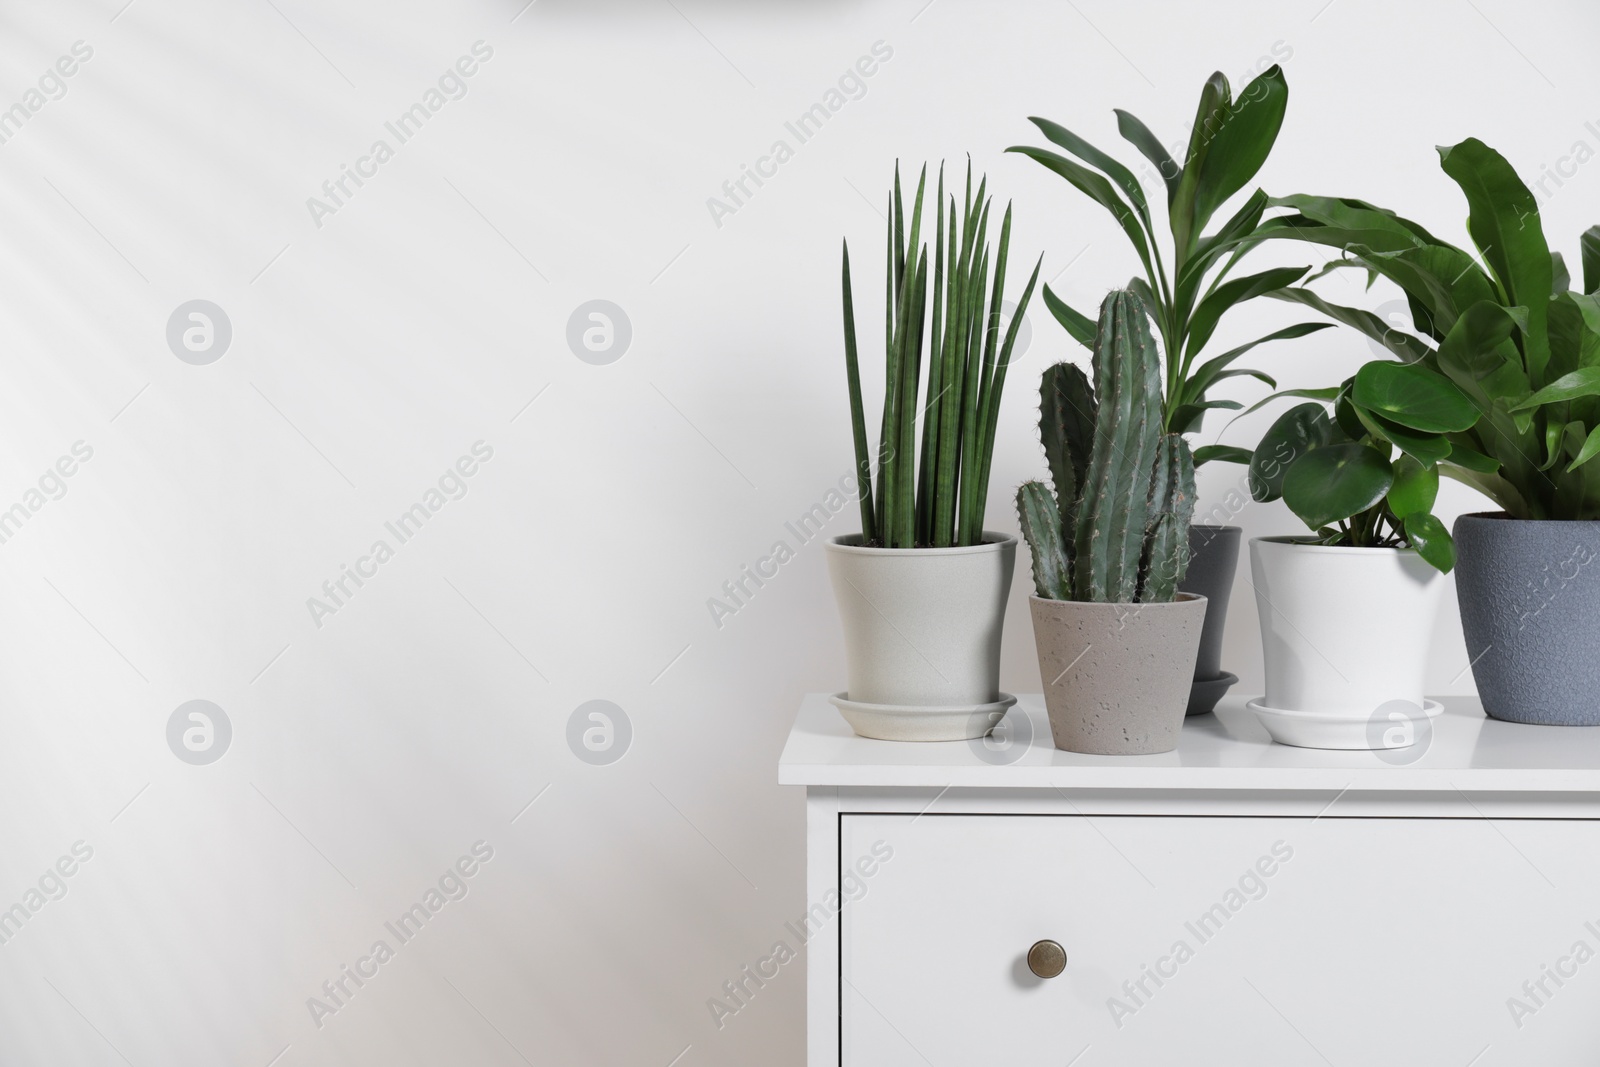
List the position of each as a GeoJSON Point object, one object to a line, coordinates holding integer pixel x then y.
{"type": "Point", "coordinates": [1323, 729]}
{"type": "Point", "coordinates": [900, 722]}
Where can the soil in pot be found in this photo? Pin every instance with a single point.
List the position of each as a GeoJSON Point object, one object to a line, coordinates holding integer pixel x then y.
{"type": "Point", "coordinates": [1530, 611]}
{"type": "Point", "coordinates": [1116, 676]}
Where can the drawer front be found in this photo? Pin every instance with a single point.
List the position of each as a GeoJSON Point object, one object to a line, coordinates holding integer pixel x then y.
{"type": "Point", "coordinates": [1232, 941]}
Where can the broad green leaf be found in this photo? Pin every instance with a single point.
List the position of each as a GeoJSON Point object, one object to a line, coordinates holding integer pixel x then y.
{"type": "Point", "coordinates": [1222, 454]}
{"type": "Point", "coordinates": [1149, 145]}
{"type": "Point", "coordinates": [1588, 306]}
{"type": "Point", "coordinates": [1504, 223]}
{"type": "Point", "coordinates": [1215, 96]}
{"type": "Point", "coordinates": [1236, 235]}
{"type": "Point", "coordinates": [1293, 436]}
{"type": "Point", "coordinates": [1432, 541]}
{"type": "Point", "coordinates": [1591, 447]}
{"type": "Point", "coordinates": [1107, 165]}
{"type": "Point", "coordinates": [1473, 345]}
{"type": "Point", "coordinates": [1590, 244]}
{"type": "Point", "coordinates": [1235, 291]}
{"type": "Point", "coordinates": [1582, 382]}
{"type": "Point", "coordinates": [1471, 459]}
{"type": "Point", "coordinates": [1384, 230]}
{"type": "Point", "coordinates": [1560, 277]}
{"type": "Point", "coordinates": [1427, 449]}
{"type": "Point", "coordinates": [1242, 143]}
{"type": "Point", "coordinates": [1408, 348]}
{"type": "Point", "coordinates": [1438, 278]}
{"type": "Point", "coordinates": [1186, 418]}
{"type": "Point", "coordinates": [1098, 189]}
{"type": "Point", "coordinates": [1080, 326]}
{"type": "Point", "coordinates": [1333, 483]}
{"type": "Point", "coordinates": [1415, 487]}
{"type": "Point", "coordinates": [1329, 394]}
{"type": "Point", "coordinates": [1413, 396]}
{"type": "Point", "coordinates": [1214, 369]}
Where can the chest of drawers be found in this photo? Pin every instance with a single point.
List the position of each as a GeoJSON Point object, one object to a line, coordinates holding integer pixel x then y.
{"type": "Point", "coordinates": [1233, 902]}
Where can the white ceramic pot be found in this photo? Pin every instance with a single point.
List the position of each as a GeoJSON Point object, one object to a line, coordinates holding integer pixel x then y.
{"type": "Point", "coordinates": [1345, 634]}
{"type": "Point", "coordinates": [922, 636]}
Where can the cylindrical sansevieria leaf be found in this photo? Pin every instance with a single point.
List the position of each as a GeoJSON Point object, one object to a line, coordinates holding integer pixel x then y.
{"type": "Point", "coordinates": [1115, 504]}
{"type": "Point", "coordinates": [1040, 519]}
{"type": "Point", "coordinates": [934, 495]}
{"type": "Point", "coordinates": [858, 426]}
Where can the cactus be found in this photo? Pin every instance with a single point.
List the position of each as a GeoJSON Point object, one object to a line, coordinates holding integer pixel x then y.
{"type": "Point", "coordinates": [1117, 528]}
{"type": "Point", "coordinates": [1041, 525]}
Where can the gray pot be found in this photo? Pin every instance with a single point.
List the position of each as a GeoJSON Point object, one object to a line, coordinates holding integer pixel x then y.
{"type": "Point", "coordinates": [1213, 559]}
{"type": "Point", "coordinates": [1116, 676]}
{"type": "Point", "coordinates": [1530, 609]}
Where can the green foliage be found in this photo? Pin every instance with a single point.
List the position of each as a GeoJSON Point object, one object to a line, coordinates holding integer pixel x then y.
{"type": "Point", "coordinates": [1228, 144]}
{"type": "Point", "coordinates": [936, 500]}
{"type": "Point", "coordinates": [1368, 476]}
{"type": "Point", "coordinates": [1521, 347]}
{"type": "Point", "coordinates": [1116, 529]}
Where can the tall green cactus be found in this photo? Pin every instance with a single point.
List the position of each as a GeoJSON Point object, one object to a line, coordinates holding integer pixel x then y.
{"type": "Point", "coordinates": [1117, 528]}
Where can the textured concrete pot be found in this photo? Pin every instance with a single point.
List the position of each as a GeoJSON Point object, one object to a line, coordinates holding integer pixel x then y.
{"type": "Point", "coordinates": [1530, 609]}
{"type": "Point", "coordinates": [1116, 676]}
{"type": "Point", "coordinates": [1213, 560]}
{"type": "Point", "coordinates": [1344, 632]}
{"type": "Point", "coordinates": [922, 631]}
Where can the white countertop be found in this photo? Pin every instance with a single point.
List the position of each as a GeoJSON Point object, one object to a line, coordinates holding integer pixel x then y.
{"type": "Point", "coordinates": [1226, 751]}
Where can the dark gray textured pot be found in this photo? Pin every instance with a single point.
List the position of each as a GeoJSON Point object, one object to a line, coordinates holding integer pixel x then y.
{"type": "Point", "coordinates": [1530, 609]}
{"type": "Point", "coordinates": [1213, 559]}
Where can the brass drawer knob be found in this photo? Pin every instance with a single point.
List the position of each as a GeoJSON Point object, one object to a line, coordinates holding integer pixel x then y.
{"type": "Point", "coordinates": [1047, 959]}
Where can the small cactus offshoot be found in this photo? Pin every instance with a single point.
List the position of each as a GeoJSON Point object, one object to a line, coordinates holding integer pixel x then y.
{"type": "Point", "coordinates": [1116, 528]}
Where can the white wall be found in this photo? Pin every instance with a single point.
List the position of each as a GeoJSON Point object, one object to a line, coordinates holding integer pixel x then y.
{"type": "Point", "coordinates": [369, 352]}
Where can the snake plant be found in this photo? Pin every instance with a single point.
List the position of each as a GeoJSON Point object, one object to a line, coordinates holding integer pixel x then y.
{"type": "Point", "coordinates": [1228, 143]}
{"type": "Point", "coordinates": [936, 499]}
{"type": "Point", "coordinates": [1115, 530]}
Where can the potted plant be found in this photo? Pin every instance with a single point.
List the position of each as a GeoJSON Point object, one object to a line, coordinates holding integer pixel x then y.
{"type": "Point", "coordinates": [1347, 613]}
{"type": "Point", "coordinates": [922, 588]}
{"type": "Point", "coordinates": [1229, 142]}
{"type": "Point", "coordinates": [1523, 344]}
{"type": "Point", "coordinates": [1116, 638]}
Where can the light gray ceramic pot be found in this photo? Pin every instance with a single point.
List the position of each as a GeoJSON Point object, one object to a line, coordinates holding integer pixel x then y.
{"type": "Point", "coordinates": [1213, 560]}
{"type": "Point", "coordinates": [1530, 610]}
{"type": "Point", "coordinates": [922, 635]}
{"type": "Point", "coordinates": [1116, 676]}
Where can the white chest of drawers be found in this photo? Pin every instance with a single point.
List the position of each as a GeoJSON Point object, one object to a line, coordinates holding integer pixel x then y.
{"type": "Point", "coordinates": [1234, 902]}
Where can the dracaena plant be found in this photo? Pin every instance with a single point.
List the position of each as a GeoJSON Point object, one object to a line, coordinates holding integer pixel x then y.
{"type": "Point", "coordinates": [1509, 330]}
{"type": "Point", "coordinates": [1230, 140]}
{"type": "Point", "coordinates": [935, 500]}
{"type": "Point", "coordinates": [1115, 530]}
{"type": "Point", "coordinates": [1367, 477]}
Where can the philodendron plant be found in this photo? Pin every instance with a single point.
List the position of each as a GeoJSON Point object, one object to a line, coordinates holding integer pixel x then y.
{"type": "Point", "coordinates": [1230, 140]}
{"type": "Point", "coordinates": [939, 502]}
{"type": "Point", "coordinates": [1368, 476]}
{"type": "Point", "coordinates": [1511, 333]}
{"type": "Point", "coordinates": [1115, 530]}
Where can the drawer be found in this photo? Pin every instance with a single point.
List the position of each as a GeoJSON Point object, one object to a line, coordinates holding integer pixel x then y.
{"type": "Point", "coordinates": [1210, 940]}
